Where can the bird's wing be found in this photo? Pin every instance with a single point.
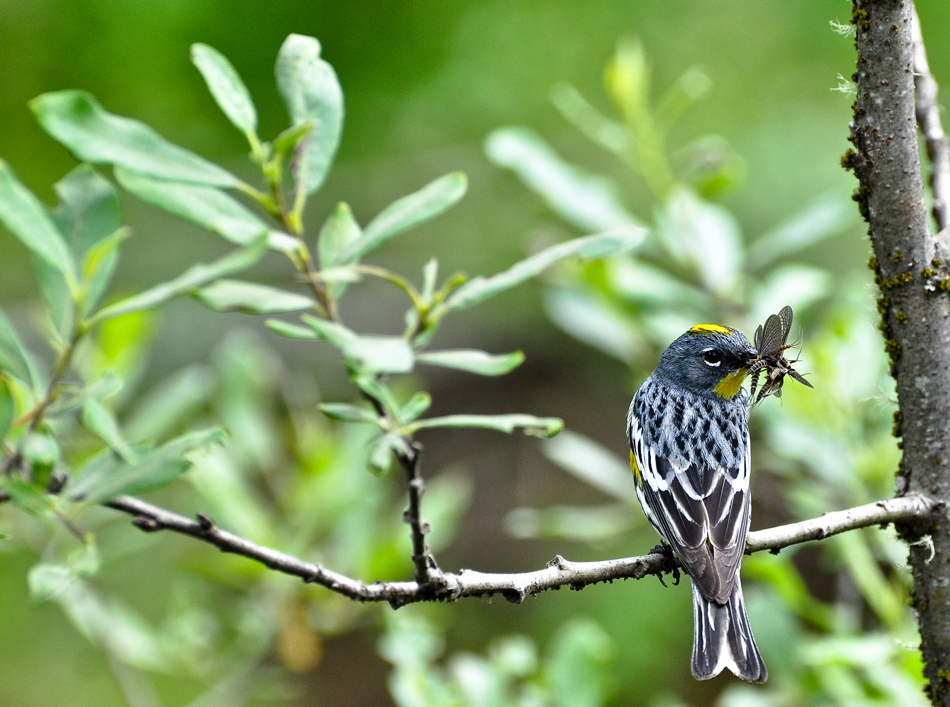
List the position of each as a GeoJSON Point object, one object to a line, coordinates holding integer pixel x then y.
{"type": "Point", "coordinates": [703, 513]}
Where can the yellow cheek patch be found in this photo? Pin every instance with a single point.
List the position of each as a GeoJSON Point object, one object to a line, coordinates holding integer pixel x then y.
{"type": "Point", "coordinates": [710, 329]}
{"type": "Point", "coordinates": [633, 466]}
{"type": "Point", "coordinates": [731, 384]}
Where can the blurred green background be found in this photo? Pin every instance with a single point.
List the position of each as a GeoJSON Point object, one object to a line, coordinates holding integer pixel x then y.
{"type": "Point", "coordinates": [425, 83]}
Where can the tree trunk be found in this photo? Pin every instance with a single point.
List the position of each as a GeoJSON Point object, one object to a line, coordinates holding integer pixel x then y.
{"type": "Point", "coordinates": [915, 316]}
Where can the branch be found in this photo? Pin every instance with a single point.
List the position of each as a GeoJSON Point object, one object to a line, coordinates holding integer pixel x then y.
{"type": "Point", "coordinates": [928, 118]}
{"type": "Point", "coordinates": [427, 572]}
{"type": "Point", "coordinates": [516, 587]}
{"type": "Point", "coordinates": [913, 303]}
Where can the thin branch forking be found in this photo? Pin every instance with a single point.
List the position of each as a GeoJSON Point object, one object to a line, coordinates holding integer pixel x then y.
{"type": "Point", "coordinates": [912, 509]}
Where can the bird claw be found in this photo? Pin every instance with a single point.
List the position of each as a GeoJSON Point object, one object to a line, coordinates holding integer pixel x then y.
{"type": "Point", "coordinates": [667, 552]}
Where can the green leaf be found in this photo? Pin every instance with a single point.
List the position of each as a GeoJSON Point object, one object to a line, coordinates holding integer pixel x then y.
{"type": "Point", "coordinates": [290, 331]}
{"type": "Point", "coordinates": [7, 408]}
{"type": "Point", "coordinates": [13, 357]}
{"type": "Point", "coordinates": [372, 386]}
{"type": "Point", "coordinates": [600, 245]}
{"type": "Point", "coordinates": [94, 135]}
{"type": "Point", "coordinates": [579, 667]}
{"type": "Point", "coordinates": [473, 361]}
{"type": "Point", "coordinates": [592, 463]}
{"type": "Point", "coordinates": [23, 214]}
{"type": "Point", "coordinates": [250, 298]}
{"type": "Point", "coordinates": [531, 425]}
{"type": "Point", "coordinates": [28, 498]}
{"type": "Point", "coordinates": [586, 201]}
{"type": "Point", "coordinates": [106, 476]}
{"type": "Point", "coordinates": [384, 450]}
{"type": "Point", "coordinates": [291, 137]}
{"type": "Point", "coordinates": [48, 581]}
{"type": "Point", "coordinates": [415, 408]}
{"type": "Point", "coordinates": [88, 211]}
{"type": "Point", "coordinates": [425, 204]}
{"type": "Point", "coordinates": [348, 413]}
{"type": "Point", "coordinates": [195, 277]}
{"type": "Point", "coordinates": [339, 232]}
{"type": "Point", "coordinates": [311, 91]}
{"type": "Point", "coordinates": [823, 218]}
{"type": "Point", "coordinates": [206, 206]}
{"type": "Point", "coordinates": [574, 523]}
{"type": "Point", "coordinates": [226, 87]}
{"type": "Point", "coordinates": [101, 422]}
{"type": "Point", "coordinates": [375, 354]}
{"type": "Point", "coordinates": [98, 268]}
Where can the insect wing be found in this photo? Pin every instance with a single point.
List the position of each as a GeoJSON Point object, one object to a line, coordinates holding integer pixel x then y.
{"type": "Point", "coordinates": [799, 377]}
{"type": "Point", "coordinates": [757, 339]}
{"type": "Point", "coordinates": [772, 338]}
{"type": "Point", "coordinates": [785, 314]}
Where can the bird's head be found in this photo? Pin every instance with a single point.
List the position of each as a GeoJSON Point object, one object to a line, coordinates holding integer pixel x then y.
{"type": "Point", "coordinates": [708, 360]}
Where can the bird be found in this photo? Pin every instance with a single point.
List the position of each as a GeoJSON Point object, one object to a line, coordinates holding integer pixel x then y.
{"type": "Point", "coordinates": [689, 440]}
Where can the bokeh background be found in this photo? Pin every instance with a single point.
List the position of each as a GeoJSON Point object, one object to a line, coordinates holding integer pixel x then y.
{"type": "Point", "coordinates": [425, 84]}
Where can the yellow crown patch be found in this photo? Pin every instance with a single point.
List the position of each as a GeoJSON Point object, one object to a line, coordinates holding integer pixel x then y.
{"type": "Point", "coordinates": [710, 329]}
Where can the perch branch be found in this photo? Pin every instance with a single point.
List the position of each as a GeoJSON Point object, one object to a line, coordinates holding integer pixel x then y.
{"type": "Point", "coordinates": [928, 118]}
{"type": "Point", "coordinates": [515, 587]}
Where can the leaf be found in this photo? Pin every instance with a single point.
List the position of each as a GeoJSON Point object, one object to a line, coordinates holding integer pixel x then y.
{"type": "Point", "coordinates": [290, 331]}
{"type": "Point", "coordinates": [7, 408]}
{"type": "Point", "coordinates": [799, 286]}
{"type": "Point", "coordinates": [473, 361]}
{"type": "Point", "coordinates": [574, 523]}
{"type": "Point", "coordinates": [23, 214]}
{"type": "Point", "coordinates": [606, 132]}
{"type": "Point", "coordinates": [291, 137]}
{"type": "Point", "coordinates": [348, 413]}
{"type": "Point", "coordinates": [106, 476]}
{"type": "Point", "coordinates": [311, 91]}
{"type": "Point", "coordinates": [206, 206]}
{"type": "Point", "coordinates": [97, 270]}
{"type": "Point", "coordinates": [704, 236]}
{"type": "Point", "coordinates": [164, 408]}
{"type": "Point", "coordinates": [101, 422]}
{"type": "Point", "coordinates": [338, 233]}
{"type": "Point", "coordinates": [88, 211]}
{"type": "Point", "coordinates": [823, 218]}
{"type": "Point", "coordinates": [415, 408]}
{"type": "Point", "coordinates": [531, 425]}
{"type": "Point", "coordinates": [226, 87]}
{"type": "Point", "coordinates": [578, 669]}
{"type": "Point", "coordinates": [250, 298]}
{"type": "Point", "coordinates": [28, 498]}
{"type": "Point", "coordinates": [592, 463]}
{"type": "Point", "coordinates": [92, 134]}
{"type": "Point", "coordinates": [48, 581]}
{"type": "Point", "coordinates": [384, 451]}
{"type": "Point", "coordinates": [427, 203]}
{"type": "Point", "coordinates": [376, 354]}
{"type": "Point", "coordinates": [593, 247]}
{"type": "Point", "coordinates": [587, 202]}
{"type": "Point", "coordinates": [13, 357]}
{"type": "Point", "coordinates": [192, 279]}
{"type": "Point", "coordinates": [593, 320]}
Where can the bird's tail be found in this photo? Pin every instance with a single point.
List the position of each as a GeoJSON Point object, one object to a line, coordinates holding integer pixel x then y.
{"type": "Point", "coordinates": [722, 638]}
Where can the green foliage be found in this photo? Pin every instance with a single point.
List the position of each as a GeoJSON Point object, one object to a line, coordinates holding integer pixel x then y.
{"type": "Point", "coordinates": [77, 434]}
{"type": "Point", "coordinates": [574, 672]}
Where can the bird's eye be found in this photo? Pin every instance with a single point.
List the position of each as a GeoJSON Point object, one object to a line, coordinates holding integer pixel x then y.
{"type": "Point", "coordinates": [712, 357]}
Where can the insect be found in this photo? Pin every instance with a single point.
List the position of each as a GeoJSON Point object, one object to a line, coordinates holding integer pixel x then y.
{"type": "Point", "coordinates": [770, 341]}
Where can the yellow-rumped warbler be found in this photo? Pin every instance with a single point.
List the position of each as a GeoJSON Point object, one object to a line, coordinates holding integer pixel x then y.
{"type": "Point", "coordinates": [689, 438]}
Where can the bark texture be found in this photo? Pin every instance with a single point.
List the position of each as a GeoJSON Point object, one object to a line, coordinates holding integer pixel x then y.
{"type": "Point", "coordinates": [913, 304]}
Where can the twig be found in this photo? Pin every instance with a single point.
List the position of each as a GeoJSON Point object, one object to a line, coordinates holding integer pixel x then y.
{"type": "Point", "coordinates": [928, 118]}
{"type": "Point", "coordinates": [427, 572]}
{"type": "Point", "coordinates": [516, 587]}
